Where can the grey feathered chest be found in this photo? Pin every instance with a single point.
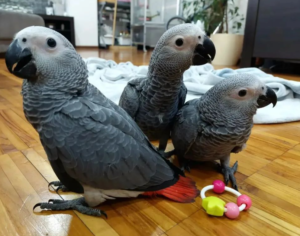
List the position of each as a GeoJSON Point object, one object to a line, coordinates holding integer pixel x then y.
{"type": "Point", "coordinates": [159, 102]}
{"type": "Point", "coordinates": [216, 143]}
{"type": "Point", "coordinates": [38, 107]}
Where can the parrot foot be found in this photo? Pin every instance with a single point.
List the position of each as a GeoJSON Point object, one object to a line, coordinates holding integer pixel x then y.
{"type": "Point", "coordinates": [185, 165]}
{"type": "Point", "coordinates": [59, 186]}
{"type": "Point", "coordinates": [78, 204]}
{"type": "Point", "coordinates": [228, 173]}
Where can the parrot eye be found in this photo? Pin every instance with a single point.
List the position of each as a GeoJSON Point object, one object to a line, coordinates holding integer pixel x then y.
{"type": "Point", "coordinates": [51, 43]}
{"type": "Point", "coordinates": [179, 42]}
{"type": "Point", "coordinates": [242, 93]}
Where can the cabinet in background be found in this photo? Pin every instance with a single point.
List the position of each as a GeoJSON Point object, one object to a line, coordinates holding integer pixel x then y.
{"type": "Point", "coordinates": [272, 31]}
{"type": "Point", "coordinates": [61, 24]}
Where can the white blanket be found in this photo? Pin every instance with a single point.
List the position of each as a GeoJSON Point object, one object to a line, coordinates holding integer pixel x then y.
{"type": "Point", "coordinates": [111, 78]}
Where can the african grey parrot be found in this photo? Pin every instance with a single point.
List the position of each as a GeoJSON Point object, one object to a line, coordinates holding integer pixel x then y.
{"type": "Point", "coordinates": [154, 101]}
{"type": "Point", "coordinates": [93, 145]}
{"type": "Point", "coordinates": [220, 122]}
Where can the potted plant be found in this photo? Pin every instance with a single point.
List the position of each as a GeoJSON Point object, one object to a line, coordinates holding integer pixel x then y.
{"type": "Point", "coordinates": [222, 22]}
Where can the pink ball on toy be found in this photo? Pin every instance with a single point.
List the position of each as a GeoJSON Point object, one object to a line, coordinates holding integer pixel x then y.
{"type": "Point", "coordinates": [232, 210]}
{"type": "Point", "coordinates": [244, 199]}
{"type": "Point", "coordinates": [219, 186]}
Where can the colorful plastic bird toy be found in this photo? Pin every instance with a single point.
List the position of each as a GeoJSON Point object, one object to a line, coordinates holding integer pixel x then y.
{"type": "Point", "coordinates": [217, 207]}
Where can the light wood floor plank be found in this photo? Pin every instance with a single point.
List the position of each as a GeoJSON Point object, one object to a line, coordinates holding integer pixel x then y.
{"type": "Point", "coordinates": [10, 96]}
{"type": "Point", "coordinates": [11, 135]}
{"type": "Point", "coordinates": [22, 128]}
{"type": "Point", "coordinates": [271, 186]}
{"type": "Point", "coordinates": [5, 144]}
{"type": "Point", "coordinates": [6, 224]}
{"type": "Point", "coordinates": [25, 198]}
{"type": "Point", "coordinates": [272, 204]}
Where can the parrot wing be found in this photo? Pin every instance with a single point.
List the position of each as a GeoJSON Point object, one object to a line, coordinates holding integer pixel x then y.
{"type": "Point", "coordinates": [184, 132]}
{"type": "Point", "coordinates": [129, 99]}
{"type": "Point", "coordinates": [97, 146]}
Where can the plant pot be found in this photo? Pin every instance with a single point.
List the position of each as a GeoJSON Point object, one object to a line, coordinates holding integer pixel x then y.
{"type": "Point", "coordinates": [228, 48]}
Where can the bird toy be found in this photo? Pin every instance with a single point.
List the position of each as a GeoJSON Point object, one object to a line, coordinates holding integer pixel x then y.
{"type": "Point", "coordinates": [217, 207]}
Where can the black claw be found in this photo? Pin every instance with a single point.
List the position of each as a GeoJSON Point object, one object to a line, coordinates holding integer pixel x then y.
{"type": "Point", "coordinates": [37, 205]}
{"type": "Point", "coordinates": [62, 188]}
{"type": "Point", "coordinates": [54, 183]}
{"type": "Point", "coordinates": [187, 168]}
{"type": "Point", "coordinates": [235, 187]}
{"type": "Point", "coordinates": [104, 213]}
{"type": "Point", "coordinates": [185, 165]}
{"type": "Point", "coordinates": [97, 212]}
{"type": "Point", "coordinates": [58, 188]}
{"type": "Point", "coordinates": [56, 201]}
{"type": "Point", "coordinates": [51, 200]}
{"type": "Point", "coordinates": [167, 155]}
{"type": "Point", "coordinates": [164, 154]}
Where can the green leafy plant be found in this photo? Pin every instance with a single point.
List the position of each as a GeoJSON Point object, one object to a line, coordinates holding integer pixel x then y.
{"type": "Point", "coordinates": [236, 18]}
{"type": "Point", "coordinates": [216, 14]}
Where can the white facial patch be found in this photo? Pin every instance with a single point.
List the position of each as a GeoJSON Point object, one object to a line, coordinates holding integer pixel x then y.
{"type": "Point", "coordinates": [35, 38]}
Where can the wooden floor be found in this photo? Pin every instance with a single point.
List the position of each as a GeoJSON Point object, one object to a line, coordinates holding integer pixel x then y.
{"type": "Point", "coordinates": [269, 172]}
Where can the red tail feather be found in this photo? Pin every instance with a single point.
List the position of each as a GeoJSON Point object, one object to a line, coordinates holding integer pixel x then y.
{"type": "Point", "coordinates": [184, 190]}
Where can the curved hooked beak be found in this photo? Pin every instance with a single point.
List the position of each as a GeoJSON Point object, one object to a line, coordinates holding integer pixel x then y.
{"type": "Point", "coordinates": [204, 53]}
{"type": "Point", "coordinates": [265, 100]}
{"type": "Point", "coordinates": [25, 67]}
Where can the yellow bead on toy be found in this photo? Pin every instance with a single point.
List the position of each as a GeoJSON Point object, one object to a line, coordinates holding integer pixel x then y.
{"type": "Point", "coordinates": [213, 206]}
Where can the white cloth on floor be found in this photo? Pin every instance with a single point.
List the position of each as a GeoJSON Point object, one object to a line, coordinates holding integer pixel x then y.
{"type": "Point", "coordinates": [111, 78]}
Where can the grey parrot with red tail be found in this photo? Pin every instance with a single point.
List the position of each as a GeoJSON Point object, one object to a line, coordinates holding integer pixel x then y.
{"type": "Point", "coordinates": [93, 145]}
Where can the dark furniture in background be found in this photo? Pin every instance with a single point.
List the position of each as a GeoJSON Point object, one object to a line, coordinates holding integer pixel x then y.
{"type": "Point", "coordinates": [272, 31]}
{"type": "Point", "coordinates": [61, 24]}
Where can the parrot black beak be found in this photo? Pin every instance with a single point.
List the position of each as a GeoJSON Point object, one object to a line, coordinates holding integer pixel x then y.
{"type": "Point", "coordinates": [204, 53]}
{"type": "Point", "coordinates": [265, 100]}
{"type": "Point", "coordinates": [25, 67]}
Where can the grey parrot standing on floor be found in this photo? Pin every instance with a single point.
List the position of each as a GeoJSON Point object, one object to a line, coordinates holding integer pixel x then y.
{"type": "Point", "coordinates": [93, 145]}
{"type": "Point", "coordinates": [220, 122]}
{"type": "Point", "coordinates": [153, 102]}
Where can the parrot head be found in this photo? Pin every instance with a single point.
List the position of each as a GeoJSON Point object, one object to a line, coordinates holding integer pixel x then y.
{"type": "Point", "coordinates": [42, 56]}
{"type": "Point", "coordinates": [242, 92]}
{"type": "Point", "coordinates": [179, 48]}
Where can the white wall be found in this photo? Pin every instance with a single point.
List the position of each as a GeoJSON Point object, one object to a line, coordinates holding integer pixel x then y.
{"type": "Point", "coordinates": [85, 21]}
